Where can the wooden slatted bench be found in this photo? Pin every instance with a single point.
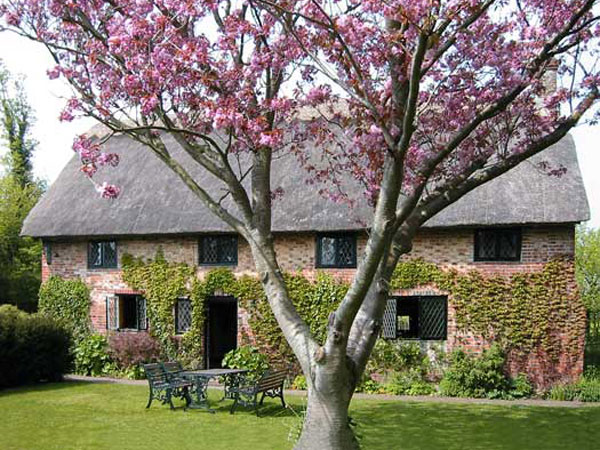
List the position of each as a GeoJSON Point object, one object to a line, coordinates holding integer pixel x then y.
{"type": "Point", "coordinates": [269, 385]}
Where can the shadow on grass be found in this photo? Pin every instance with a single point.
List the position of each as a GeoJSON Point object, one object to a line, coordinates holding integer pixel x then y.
{"type": "Point", "coordinates": [423, 426]}
{"type": "Point", "coordinates": [39, 387]}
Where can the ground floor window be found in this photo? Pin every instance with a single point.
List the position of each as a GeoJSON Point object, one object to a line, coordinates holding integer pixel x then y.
{"type": "Point", "coordinates": [126, 312]}
{"type": "Point", "coordinates": [416, 317]}
{"type": "Point", "coordinates": [183, 315]}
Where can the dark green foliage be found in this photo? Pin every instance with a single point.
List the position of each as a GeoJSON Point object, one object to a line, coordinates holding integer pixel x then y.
{"type": "Point", "coordinates": [396, 356]}
{"type": "Point", "coordinates": [247, 357]}
{"type": "Point", "coordinates": [409, 382]}
{"type": "Point", "coordinates": [68, 302]}
{"type": "Point", "coordinates": [587, 264]}
{"type": "Point", "coordinates": [16, 121]}
{"type": "Point", "coordinates": [401, 368]}
{"type": "Point", "coordinates": [587, 389]}
{"type": "Point", "coordinates": [20, 257]}
{"type": "Point", "coordinates": [520, 387]}
{"type": "Point", "coordinates": [33, 348]}
{"type": "Point", "coordinates": [92, 356]}
{"type": "Point", "coordinates": [482, 376]}
{"type": "Point", "coordinates": [471, 376]}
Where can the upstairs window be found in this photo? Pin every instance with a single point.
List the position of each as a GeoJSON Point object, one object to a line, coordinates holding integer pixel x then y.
{"type": "Point", "coordinates": [183, 315]}
{"type": "Point", "coordinates": [126, 313]}
{"type": "Point", "coordinates": [416, 317]}
{"type": "Point", "coordinates": [218, 250]}
{"type": "Point", "coordinates": [336, 251]}
{"type": "Point", "coordinates": [498, 244]}
{"type": "Point", "coordinates": [102, 255]}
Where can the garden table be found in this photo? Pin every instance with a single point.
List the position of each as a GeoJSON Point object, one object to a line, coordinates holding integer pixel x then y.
{"type": "Point", "coordinates": [200, 378]}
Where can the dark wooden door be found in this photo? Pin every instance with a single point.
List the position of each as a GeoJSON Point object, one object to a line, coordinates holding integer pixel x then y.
{"type": "Point", "coordinates": [221, 329]}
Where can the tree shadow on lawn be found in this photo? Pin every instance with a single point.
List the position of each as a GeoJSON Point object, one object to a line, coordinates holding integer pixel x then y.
{"type": "Point", "coordinates": [40, 387]}
{"type": "Point", "coordinates": [407, 425]}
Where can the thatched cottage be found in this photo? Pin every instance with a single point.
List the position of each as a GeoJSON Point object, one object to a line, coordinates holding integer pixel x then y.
{"type": "Point", "coordinates": [516, 223]}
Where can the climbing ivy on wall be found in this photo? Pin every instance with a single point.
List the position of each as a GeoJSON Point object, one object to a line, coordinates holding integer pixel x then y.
{"type": "Point", "coordinates": [68, 302]}
{"type": "Point", "coordinates": [522, 313]}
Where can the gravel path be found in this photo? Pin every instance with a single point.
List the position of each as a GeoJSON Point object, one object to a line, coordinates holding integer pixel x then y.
{"type": "Point", "coordinates": [379, 397]}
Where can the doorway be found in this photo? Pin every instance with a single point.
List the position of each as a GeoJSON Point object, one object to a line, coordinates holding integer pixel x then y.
{"type": "Point", "coordinates": [220, 329]}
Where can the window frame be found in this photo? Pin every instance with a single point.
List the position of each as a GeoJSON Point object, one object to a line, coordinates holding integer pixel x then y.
{"type": "Point", "coordinates": [419, 334]}
{"type": "Point", "coordinates": [201, 240]}
{"type": "Point", "coordinates": [498, 233]}
{"type": "Point", "coordinates": [103, 264]}
{"type": "Point", "coordinates": [117, 301]}
{"type": "Point", "coordinates": [48, 252]}
{"type": "Point", "coordinates": [336, 265]}
{"type": "Point", "coordinates": [178, 330]}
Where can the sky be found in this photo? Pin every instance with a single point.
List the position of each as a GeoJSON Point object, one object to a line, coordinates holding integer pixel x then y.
{"type": "Point", "coordinates": [55, 138]}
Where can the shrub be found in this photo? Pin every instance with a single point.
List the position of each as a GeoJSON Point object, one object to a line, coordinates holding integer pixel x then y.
{"type": "Point", "coordinates": [585, 390]}
{"type": "Point", "coordinates": [520, 387]}
{"type": "Point", "coordinates": [130, 350]}
{"type": "Point", "coordinates": [300, 383]}
{"type": "Point", "coordinates": [394, 356]}
{"type": "Point", "coordinates": [369, 386]}
{"type": "Point", "coordinates": [67, 302]}
{"type": "Point", "coordinates": [32, 348]}
{"type": "Point", "coordinates": [409, 382]}
{"type": "Point", "coordinates": [469, 376]}
{"type": "Point", "coordinates": [92, 357]}
{"type": "Point", "coordinates": [247, 357]}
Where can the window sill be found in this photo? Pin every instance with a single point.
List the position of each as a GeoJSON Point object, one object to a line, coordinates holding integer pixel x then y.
{"type": "Point", "coordinates": [217, 265]}
{"type": "Point", "coordinates": [503, 261]}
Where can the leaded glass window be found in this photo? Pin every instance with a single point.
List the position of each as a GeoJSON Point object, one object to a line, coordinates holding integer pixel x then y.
{"type": "Point", "coordinates": [183, 315]}
{"type": "Point", "coordinates": [336, 251]}
{"type": "Point", "coordinates": [102, 254]}
{"type": "Point", "coordinates": [218, 250]}
{"type": "Point", "coordinates": [416, 317]}
{"type": "Point", "coordinates": [498, 244]}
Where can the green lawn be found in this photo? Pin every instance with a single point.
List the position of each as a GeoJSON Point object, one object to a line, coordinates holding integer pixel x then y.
{"type": "Point", "coordinates": [105, 416]}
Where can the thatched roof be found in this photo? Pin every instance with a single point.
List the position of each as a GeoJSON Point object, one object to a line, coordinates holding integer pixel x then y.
{"type": "Point", "coordinates": [155, 202]}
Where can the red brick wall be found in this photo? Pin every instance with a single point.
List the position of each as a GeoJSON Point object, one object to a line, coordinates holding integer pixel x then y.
{"type": "Point", "coordinates": [449, 249]}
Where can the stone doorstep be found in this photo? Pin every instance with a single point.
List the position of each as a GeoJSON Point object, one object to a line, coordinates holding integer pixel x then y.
{"type": "Point", "coordinates": [379, 397]}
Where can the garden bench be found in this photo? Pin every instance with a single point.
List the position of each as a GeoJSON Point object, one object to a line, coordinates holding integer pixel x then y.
{"type": "Point", "coordinates": [164, 385]}
{"type": "Point", "coordinates": [270, 385]}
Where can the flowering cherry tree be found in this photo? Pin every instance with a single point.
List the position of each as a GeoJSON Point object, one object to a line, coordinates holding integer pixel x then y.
{"type": "Point", "coordinates": [419, 101]}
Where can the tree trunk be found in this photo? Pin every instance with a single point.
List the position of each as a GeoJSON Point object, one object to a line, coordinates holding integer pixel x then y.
{"type": "Point", "coordinates": [326, 425]}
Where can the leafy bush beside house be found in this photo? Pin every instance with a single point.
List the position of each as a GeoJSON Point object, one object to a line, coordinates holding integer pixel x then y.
{"type": "Point", "coordinates": [68, 302]}
{"type": "Point", "coordinates": [33, 348]}
{"type": "Point", "coordinates": [92, 357]}
{"type": "Point", "coordinates": [247, 357]}
{"type": "Point", "coordinates": [482, 376]}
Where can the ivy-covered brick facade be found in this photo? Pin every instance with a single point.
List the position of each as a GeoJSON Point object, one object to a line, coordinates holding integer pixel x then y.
{"type": "Point", "coordinates": [448, 250]}
{"type": "Point", "coordinates": [494, 266]}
